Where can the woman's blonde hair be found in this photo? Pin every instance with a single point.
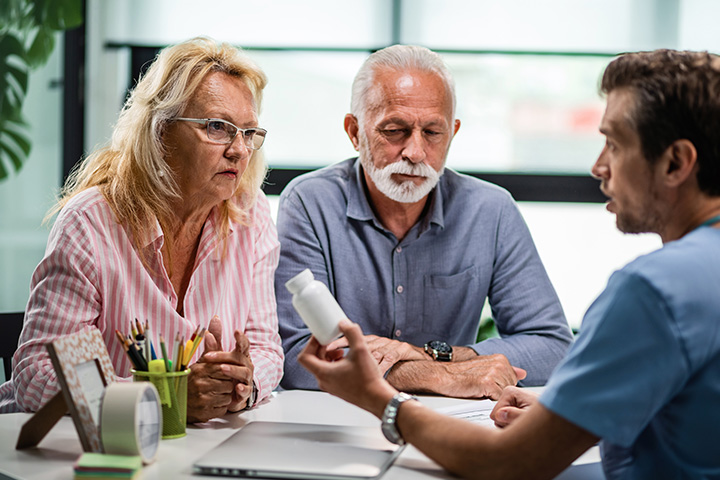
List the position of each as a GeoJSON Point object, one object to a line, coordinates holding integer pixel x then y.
{"type": "Point", "coordinates": [132, 174]}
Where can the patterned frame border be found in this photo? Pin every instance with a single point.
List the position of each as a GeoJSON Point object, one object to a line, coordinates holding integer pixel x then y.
{"type": "Point", "coordinates": [66, 353]}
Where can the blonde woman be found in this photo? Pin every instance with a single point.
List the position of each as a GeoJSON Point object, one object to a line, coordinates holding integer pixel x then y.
{"type": "Point", "coordinates": [167, 225]}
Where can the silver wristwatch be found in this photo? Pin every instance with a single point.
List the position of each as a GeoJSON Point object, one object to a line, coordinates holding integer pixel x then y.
{"type": "Point", "coordinates": [389, 418]}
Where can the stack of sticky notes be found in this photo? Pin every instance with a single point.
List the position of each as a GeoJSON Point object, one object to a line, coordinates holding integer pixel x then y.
{"type": "Point", "coordinates": [92, 466]}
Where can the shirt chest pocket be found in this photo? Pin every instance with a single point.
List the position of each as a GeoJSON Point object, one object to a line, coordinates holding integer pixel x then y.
{"type": "Point", "coordinates": [452, 303]}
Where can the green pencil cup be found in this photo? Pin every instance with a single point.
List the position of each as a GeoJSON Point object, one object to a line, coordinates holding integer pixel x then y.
{"type": "Point", "coordinates": [172, 387]}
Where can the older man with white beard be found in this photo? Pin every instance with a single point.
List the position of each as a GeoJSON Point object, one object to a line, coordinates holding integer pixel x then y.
{"type": "Point", "coordinates": [411, 250]}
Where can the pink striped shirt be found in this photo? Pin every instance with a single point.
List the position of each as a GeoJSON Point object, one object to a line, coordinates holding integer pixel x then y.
{"type": "Point", "coordinates": [92, 277]}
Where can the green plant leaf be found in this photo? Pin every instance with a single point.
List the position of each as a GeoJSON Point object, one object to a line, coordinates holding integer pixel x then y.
{"type": "Point", "coordinates": [13, 78]}
{"type": "Point", "coordinates": [10, 12]}
{"type": "Point", "coordinates": [14, 83]}
{"type": "Point", "coordinates": [10, 151]}
{"type": "Point", "coordinates": [20, 21]}
{"type": "Point", "coordinates": [41, 47]}
{"type": "Point", "coordinates": [65, 14]}
{"type": "Point", "coordinates": [14, 143]}
{"type": "Point", "coordinates": [22, 141]}
{"type": "Point", "coordinates": [38, 11]}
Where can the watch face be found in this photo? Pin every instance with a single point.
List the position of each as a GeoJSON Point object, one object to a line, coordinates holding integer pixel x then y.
{"type": "Point", "coordinates": [149, 423]}
{"type": "Point", "coordinates": [440, 346]}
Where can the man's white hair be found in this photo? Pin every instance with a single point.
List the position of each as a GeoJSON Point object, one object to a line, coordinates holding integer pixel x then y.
{"type": "Point", "coordinates": [396, 57]}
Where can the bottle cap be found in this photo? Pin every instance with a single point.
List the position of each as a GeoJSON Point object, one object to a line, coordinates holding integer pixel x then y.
{"type": "Point", "coordinates": [299, 281]}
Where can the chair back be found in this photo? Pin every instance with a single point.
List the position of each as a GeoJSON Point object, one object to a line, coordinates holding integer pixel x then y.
{"type": "Point", "coordinates": [10, 326]}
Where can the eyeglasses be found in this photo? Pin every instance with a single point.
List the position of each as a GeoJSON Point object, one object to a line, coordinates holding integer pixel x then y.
{"type": "Point", "coordinates": [220, 131]}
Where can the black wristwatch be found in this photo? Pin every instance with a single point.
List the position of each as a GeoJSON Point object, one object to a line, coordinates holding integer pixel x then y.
{"type": "Point", "coordinates": [440, 351]}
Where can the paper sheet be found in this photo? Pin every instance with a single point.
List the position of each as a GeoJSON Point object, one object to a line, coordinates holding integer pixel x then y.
{"type": "Point", "coordinates": [477, 411]}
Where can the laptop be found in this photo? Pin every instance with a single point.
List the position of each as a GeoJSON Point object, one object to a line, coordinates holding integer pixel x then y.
{"type": "Point", "coordinates": [300, 451]}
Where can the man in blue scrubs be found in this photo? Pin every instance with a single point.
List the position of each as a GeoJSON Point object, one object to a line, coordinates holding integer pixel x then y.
{"type": "Point", "coordinates": [644, 374]}
{"type": "Point", "coordinates": [411, 250]}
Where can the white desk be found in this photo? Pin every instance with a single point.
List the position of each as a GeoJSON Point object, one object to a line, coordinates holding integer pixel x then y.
{"type": "Point", "coordinates": [54, 457]}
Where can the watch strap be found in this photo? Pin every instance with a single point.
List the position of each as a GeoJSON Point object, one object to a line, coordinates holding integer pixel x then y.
{"type": "Point", "coordinates": [389, 418]}
{"type": "Point", "coordinates": [252, 398]}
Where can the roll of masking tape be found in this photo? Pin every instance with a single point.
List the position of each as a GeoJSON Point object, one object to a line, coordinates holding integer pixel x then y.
{"type": "Point", "coordinates": [131, 420]}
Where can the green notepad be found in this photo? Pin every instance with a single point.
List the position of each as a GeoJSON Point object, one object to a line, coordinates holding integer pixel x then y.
{"type": "Point", "coordinates": [102, 464]}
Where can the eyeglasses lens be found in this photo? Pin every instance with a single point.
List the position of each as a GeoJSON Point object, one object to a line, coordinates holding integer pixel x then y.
{"type": "Point", "coordinates": [224, 132]}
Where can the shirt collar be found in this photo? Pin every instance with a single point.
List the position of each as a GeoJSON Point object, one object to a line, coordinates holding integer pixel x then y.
{"type": "Point", "coordinates": [359, 207]}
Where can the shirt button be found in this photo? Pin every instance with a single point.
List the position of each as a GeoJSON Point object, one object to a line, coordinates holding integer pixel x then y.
{"type": "Point", "coordinates": [397, 332]}
{"type": "Point", "coordinates": [398, 249]}
{"type": "Point", "coordinates": [399, 289]}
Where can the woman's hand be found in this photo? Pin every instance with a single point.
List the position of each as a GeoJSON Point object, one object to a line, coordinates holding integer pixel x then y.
{"type": "Point", "coordinates": [220, 382]}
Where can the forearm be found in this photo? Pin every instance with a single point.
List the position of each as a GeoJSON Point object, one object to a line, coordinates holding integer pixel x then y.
{"type": "Point", "coordinates": [35, 382]}
{"type": "Point", "coordinates": [447, 440]}
{"type": "Point", "coordinates": [537, 354]}
{"type": "Point", "coordinates": [461, 354]}
{"type": "Point", "coordinates": [425, 376]}
{"type": "Point", "coordinates": [411, 376]}
{"type": "Point", "coordinates": [540, 445]}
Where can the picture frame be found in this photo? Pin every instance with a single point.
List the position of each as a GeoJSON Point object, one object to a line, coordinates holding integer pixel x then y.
{"type": "Point", "coordinates": [83, 369]}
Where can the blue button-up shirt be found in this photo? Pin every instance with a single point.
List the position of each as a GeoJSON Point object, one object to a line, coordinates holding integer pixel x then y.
{"type": "Point", "coordinates": [470, 244]}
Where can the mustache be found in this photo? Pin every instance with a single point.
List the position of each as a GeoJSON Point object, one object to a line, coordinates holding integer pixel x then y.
{"type": "Point", "coordinates": [407, 168]}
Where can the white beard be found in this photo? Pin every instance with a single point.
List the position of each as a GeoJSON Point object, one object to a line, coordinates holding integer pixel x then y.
{"type": "Point", "coordinates": [404, 192]}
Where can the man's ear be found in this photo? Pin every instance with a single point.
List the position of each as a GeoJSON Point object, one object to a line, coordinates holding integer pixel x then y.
{"type": "Point", "coordinates": [680, 160]}
{"type": "Point", "coordinates": [352, 128]}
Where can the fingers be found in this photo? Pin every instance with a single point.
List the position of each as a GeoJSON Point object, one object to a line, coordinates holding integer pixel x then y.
{"type": "Point", "coordinates": [211, 344]}
{"type": "Point", "coordinates": [506, 415]}
{"type": "Point", "coordinates": [338, 343]}
{"type": "Point", "coordinates": [511, 405]}
{"type": "Point", "coordinates": [215, 328]}
{"type": "Point", "coordinates": [242, 344]}
{"type": "Point", "coordinates": [353, 333]}
{"type": "Point", "coordinates": [239, 374]}
{"type": "Point", "coordinates": [213, 336]}
{"type": "Point", "coordinates": [316, 358]}
{"type": "Point", "coordinates": [240, 355]}
{"type": "Point", "coordinates": [240, 397]}
{"type": "Point", "coordinates": [309, 356]}
{"type": "Point", "coordinates": [208, 397]}
{"type": "Point", "coordinates": [520, 373]}
{"type": "Point", "coordinates": [334, 355]}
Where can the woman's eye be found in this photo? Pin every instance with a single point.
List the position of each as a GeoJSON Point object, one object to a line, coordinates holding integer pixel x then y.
{"type": "Point", "coordinates": [217, 125]}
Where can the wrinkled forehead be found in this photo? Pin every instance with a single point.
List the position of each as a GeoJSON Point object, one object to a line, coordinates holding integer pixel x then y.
{"type": "Point", "coordinates": [411, 89]}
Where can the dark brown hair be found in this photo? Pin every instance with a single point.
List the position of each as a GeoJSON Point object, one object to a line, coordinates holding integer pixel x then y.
{"type": "Point", "coordinates": [677, 96]}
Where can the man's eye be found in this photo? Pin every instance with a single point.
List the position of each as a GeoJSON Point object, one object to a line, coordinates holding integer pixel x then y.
{"type": "Point", "coordinates": [393, 132]}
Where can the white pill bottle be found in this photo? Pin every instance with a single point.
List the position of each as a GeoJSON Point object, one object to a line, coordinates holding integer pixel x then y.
{"type": "Point", "coordinates": [316, 306]}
